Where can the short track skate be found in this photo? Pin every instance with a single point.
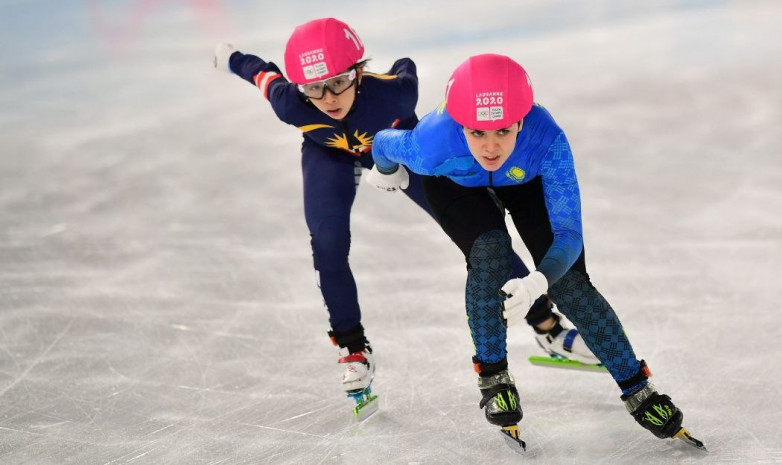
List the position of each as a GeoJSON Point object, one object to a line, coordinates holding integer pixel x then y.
{"type": "Point", "coordinates": [366, 403]}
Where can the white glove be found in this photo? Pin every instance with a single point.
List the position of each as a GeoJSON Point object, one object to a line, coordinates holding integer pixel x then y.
{"type": "Point", "coordinates": [520, 294]}
{"type": "Point", "coordinates": [223, 52]}
{"type": "Point", "coordinates": [392, 182]}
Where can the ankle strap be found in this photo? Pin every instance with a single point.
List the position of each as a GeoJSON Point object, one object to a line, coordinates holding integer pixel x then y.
{"type": "Point", "coordinates": [489, 369]}
{"type": "Point", "coordinates": [642, 375]}
{"type": "Point", "coordinates": [353, 339]}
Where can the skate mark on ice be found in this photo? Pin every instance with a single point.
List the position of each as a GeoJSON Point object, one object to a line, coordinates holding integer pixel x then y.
{"type": "Point", "coordinates": [331, 435]}
{"type": "Point", "coordinates": [303, 414]}
{"type": "Point", "coordinates": [37, 360]}
{"type": "Point", "coordinates": [327, 454]}
{"type": "Point", "coordinates": [283, 430]}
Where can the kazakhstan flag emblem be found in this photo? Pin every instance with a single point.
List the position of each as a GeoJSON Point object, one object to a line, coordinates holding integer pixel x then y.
{"type": "Point", "coordinates": [515, 173]}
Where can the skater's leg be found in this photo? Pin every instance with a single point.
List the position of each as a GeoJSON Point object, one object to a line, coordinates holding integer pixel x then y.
{"type": "Point", "coordinates": [477, 227]}
{"type": "Point", "coordinates": [489, 268]}
{"type": "Point", "coordinates": [467, 216]}
{"type": "Point", "coordinates": [528, 210]}
{"type": "Point", "coordinates": [329, 192]}
{"type": "Point", "coordinates": [603, 333]}
{"type": "Point", "coordinates": [598, 324]}
{"type": "Point", "coordinates": [541, 311]}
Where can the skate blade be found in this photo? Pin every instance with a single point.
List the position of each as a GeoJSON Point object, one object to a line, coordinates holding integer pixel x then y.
{"type": "Point", "coordinates": [558, 362]}
{"type": "Point", "coordinates": [366, 409]}
{"type": "Point", "coordinates": [685, 436]}
{"type": "Point", "coordinates": [366, 404]}
{"type": "Point", "coordinates": [512, 438]}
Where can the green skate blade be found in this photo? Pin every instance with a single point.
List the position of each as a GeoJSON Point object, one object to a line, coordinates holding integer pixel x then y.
{"type": "Point", "coordinates": [685, 436]}
{"type": "Point", "coordinates": [366, 408]}
{"type": "Point", "coordinates": [564, 363]}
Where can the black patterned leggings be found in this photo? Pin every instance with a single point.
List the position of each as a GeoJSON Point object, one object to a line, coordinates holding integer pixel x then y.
{"type": "Point", "coordinates": [471, 219]}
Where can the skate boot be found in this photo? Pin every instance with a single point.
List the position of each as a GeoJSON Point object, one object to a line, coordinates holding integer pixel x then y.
{"type": "Point", "coordinates": [564, 345]}
{"type": "Point", "coordinates": [657, 413]}
{"type": "Point", "coordinates": [358, 370]}
{"type": "Point", "coordinates": [357, 375]}
{"type": "Point", "coordinates": [501, 404]}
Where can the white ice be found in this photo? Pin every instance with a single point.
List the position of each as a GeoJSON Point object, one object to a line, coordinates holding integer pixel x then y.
{"type": "Point", "coordinates": [157, 299]}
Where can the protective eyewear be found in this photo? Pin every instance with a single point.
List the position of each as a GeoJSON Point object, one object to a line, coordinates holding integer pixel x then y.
{"type": "Point", "coordinates": [337, 85]}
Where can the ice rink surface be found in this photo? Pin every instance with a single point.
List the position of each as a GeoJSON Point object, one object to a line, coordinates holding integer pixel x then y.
{"type": "Point", "coordinates": [157, 298]}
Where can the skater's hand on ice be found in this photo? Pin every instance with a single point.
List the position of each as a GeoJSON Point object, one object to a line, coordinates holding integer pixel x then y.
{"type": "Point", "coordinates": [389, 182]}
{"type": "Point", "coordinates": [223, 52]}
{"type": "Point", "coordinates": [520, 294]}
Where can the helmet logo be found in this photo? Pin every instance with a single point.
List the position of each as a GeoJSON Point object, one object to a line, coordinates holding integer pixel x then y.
{"type": "Point", "coordinates": [448, 88]}
{"type": "Point", "coordinates": [312, 64]}
{"type": "Point", "coordinates": [349, 34]}
{"type": "Point", "coordinates": [488, 106]}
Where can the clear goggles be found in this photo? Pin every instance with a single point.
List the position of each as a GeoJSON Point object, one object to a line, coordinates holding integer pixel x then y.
{"type": "Point", "coordinates": [337, 84]}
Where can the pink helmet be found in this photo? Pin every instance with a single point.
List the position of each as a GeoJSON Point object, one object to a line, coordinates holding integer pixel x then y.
{"type": "Point", "coordinates": [488, 92]}
{"type": "Point", "coordinates": [320, 49]}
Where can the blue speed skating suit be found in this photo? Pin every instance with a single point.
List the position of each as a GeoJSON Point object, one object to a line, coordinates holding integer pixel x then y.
{"type": "Point", "coordinates": [537, 184]}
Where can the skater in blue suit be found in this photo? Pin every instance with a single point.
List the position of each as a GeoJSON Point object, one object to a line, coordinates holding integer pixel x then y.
{"type": "Point", "coordinates": [339, 107]}
{"type": "Point", "coordinates": [489, 144]}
